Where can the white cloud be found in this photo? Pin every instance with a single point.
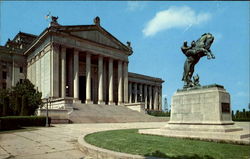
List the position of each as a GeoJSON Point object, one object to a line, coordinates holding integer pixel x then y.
{"type": "Point", "coordinates": [174, 17]}
{"type": "Point", "coordinates": [135, 5]}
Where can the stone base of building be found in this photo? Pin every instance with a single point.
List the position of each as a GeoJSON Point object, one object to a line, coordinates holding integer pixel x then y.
{"type": "Point", "coordinates": [140, 107]}
{"type": "Point", "coordinates": [202, 113]}
{"type": "Point", "coordinates": [58, 116]}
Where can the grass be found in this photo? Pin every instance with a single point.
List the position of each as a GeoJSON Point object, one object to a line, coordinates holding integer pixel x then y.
{"type": "Point", "coordinates": [129, 141]}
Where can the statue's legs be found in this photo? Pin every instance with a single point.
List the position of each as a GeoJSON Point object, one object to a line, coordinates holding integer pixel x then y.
{"type": "Point", "coordinates": [186, 73]}
{"type": "Point", "coordinates": [190, 74]}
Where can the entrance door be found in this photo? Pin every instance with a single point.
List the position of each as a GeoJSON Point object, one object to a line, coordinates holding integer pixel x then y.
{"type": "Point", "coordinates": [82, 88]}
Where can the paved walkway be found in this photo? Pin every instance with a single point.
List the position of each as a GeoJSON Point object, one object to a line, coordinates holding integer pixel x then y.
{"type": "Point", "coordinates": [56, 142]}
{"type": "Point", "coordinates": [60, 141]}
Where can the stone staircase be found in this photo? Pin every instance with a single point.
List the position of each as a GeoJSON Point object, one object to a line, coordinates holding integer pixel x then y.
{"type": "Point", "coordinates": [96, 113]}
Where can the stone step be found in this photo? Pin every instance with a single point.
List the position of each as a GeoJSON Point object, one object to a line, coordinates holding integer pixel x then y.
{"type": "Point", "coordinates": [97, 113]}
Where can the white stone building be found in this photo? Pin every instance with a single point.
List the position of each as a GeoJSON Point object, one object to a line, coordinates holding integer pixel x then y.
{"type": "Point", "coordinates": [85, 64]}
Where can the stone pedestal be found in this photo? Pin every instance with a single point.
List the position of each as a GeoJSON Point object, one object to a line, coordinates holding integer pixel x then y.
{"type": "Point", "coordinates": [206, 105]}
{"type": "Point", "coordinates": [203, 113]}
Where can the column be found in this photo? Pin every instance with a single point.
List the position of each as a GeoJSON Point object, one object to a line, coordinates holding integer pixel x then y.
{"type": "Point", "coordinates": [125, 80]}
{"type": "Point", "coordinates": [28, 70]}
{"type": "Point", "coordinates": [63, 72]}
{"type": "Point", "coordinates": [88, 79]}
{"type": "Point", "coordinates": [111, 99]}
{"type": "Point", "coordinates": [135, 92]}
{"type": "Point", "coordinates": [140, 93]}
{"type": "Point", "coordinates": [150, 97]}
{"type": "Point", "coordinates": [130, 92]}
{"type": "Point", "coordinates": [38, 72]}
{"type": "Point", "coordinates": [119, 82]}
{"type": "Point", "coordinates": [156, 98]}
{"type": "Point", "coordinates": [34, 71]}
{"type": "Point", "coordinates": [160, 98]}
{"type": "Point", "coordinates": [54, 70]}
{"type": "Point", "coordinates": [105, 80]}
{"type": "Point", "coordinates": [70, 74]}
{"type": "Point", "coordinates": [146, 96]}
{"type": "Point", "coordinates": [42, 74]}
{"type": "Point", "coordinates": [100, 80]}
{"type": "Point", "coordinates": [76, 74]}
{"type": "Point", "coordinates": [31, 70]}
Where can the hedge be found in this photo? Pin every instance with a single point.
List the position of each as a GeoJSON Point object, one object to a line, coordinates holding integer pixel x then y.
{"type": "Point", "coordinates": [158, 113]}
{"type": "Point", "coordinates": [15, 122]}
{"type": "Point", "coordinates": [241, 119]}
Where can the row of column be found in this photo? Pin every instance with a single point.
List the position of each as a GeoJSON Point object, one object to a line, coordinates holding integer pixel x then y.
{"type": "Point", "coordinates": [122, 78]}
{"type": "Point", "coordinates": [149, 94]}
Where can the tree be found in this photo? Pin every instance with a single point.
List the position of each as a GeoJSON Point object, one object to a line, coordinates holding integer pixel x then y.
{"type": "Point", "coordinates": [4, 102]}
{"type": "Point", "coordinates": [166, 104]}
{"type": "Point", "coordinates": [23, 99]}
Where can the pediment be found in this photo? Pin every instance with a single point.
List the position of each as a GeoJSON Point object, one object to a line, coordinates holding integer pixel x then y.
{"type": "Point", "coordinates": [98, 37]}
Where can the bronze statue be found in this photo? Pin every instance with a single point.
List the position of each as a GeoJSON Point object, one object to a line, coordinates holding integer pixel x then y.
{"type": "Point", "coordinates": [198, 49]}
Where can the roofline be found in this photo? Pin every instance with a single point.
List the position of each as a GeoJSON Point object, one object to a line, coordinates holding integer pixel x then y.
{"type": "Point", "coordinates": [27, 34]}
{"type": "Point", "coordinates": [131, 74]}
{"type": "Point", "coordinates": [23, 34]}
{"type": "Point", "coordinates": [47, 30]}
{"type": "Point", "coordinates": [130, 52]}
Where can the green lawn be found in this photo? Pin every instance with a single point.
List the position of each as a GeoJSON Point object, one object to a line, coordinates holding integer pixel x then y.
{"type": "Point", "coordinates": [129, 141]}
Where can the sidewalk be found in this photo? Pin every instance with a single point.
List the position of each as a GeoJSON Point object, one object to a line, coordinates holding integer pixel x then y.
{"type": "Point", "coordinates": [58, 142]}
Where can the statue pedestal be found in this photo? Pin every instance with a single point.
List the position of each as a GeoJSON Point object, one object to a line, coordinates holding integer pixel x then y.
{"type": "Point", "coordinates": [205, 105]}
{"type": "Point", "coordinates": [203, 113]}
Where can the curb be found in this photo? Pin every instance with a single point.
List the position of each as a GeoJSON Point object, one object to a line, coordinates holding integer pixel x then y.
{"type": "Point", "coordinates": [100, 153]}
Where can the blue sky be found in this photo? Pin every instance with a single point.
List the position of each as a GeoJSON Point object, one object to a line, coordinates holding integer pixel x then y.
{"type": "Point", "coordinates": [157, 31]}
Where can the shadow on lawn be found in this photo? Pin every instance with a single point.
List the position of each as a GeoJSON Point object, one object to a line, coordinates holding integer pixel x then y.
{"type": "Point", "coordinates": [163, 155]}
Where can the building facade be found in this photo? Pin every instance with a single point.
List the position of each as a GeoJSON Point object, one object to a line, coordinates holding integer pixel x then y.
{"type": "Point", "coordinates": [83, 64]}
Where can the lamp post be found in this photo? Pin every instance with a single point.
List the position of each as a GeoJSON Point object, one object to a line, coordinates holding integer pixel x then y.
{"type": "Point", "coordinates": [47, 112]}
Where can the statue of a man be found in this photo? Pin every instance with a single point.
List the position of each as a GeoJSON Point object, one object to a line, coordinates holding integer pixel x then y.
{"type": "Point", "coordinates": [194, 52]}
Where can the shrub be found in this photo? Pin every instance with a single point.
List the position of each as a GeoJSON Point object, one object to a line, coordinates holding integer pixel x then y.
{"type": "Point", "coordinates": [15, 122]}
{"type": "Point", "coordinates": [159, 113]}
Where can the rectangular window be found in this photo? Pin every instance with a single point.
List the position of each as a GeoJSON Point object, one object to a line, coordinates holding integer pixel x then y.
{"type": "Point", "coordinates": [4, 75]}
{"type": "Point", "coordinates": [21, 81]}
{"type": "Point", "coordinates": [21, 69]}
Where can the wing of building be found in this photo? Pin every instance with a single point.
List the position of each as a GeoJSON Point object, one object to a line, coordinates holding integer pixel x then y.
{"type": "Point", "coordinates": [77, 64]}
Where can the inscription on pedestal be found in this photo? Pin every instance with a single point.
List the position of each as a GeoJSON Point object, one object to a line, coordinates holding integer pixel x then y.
{"type": "Point", "coordinates": [225, 107]}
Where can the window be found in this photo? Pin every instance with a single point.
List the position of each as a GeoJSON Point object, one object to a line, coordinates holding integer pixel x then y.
{"type": "Point", "coordinates": [21, 81]}
{"type": "Point", "coordinates": [21, 69]}
{"type": "Point", "coordinates": [4, 75]}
